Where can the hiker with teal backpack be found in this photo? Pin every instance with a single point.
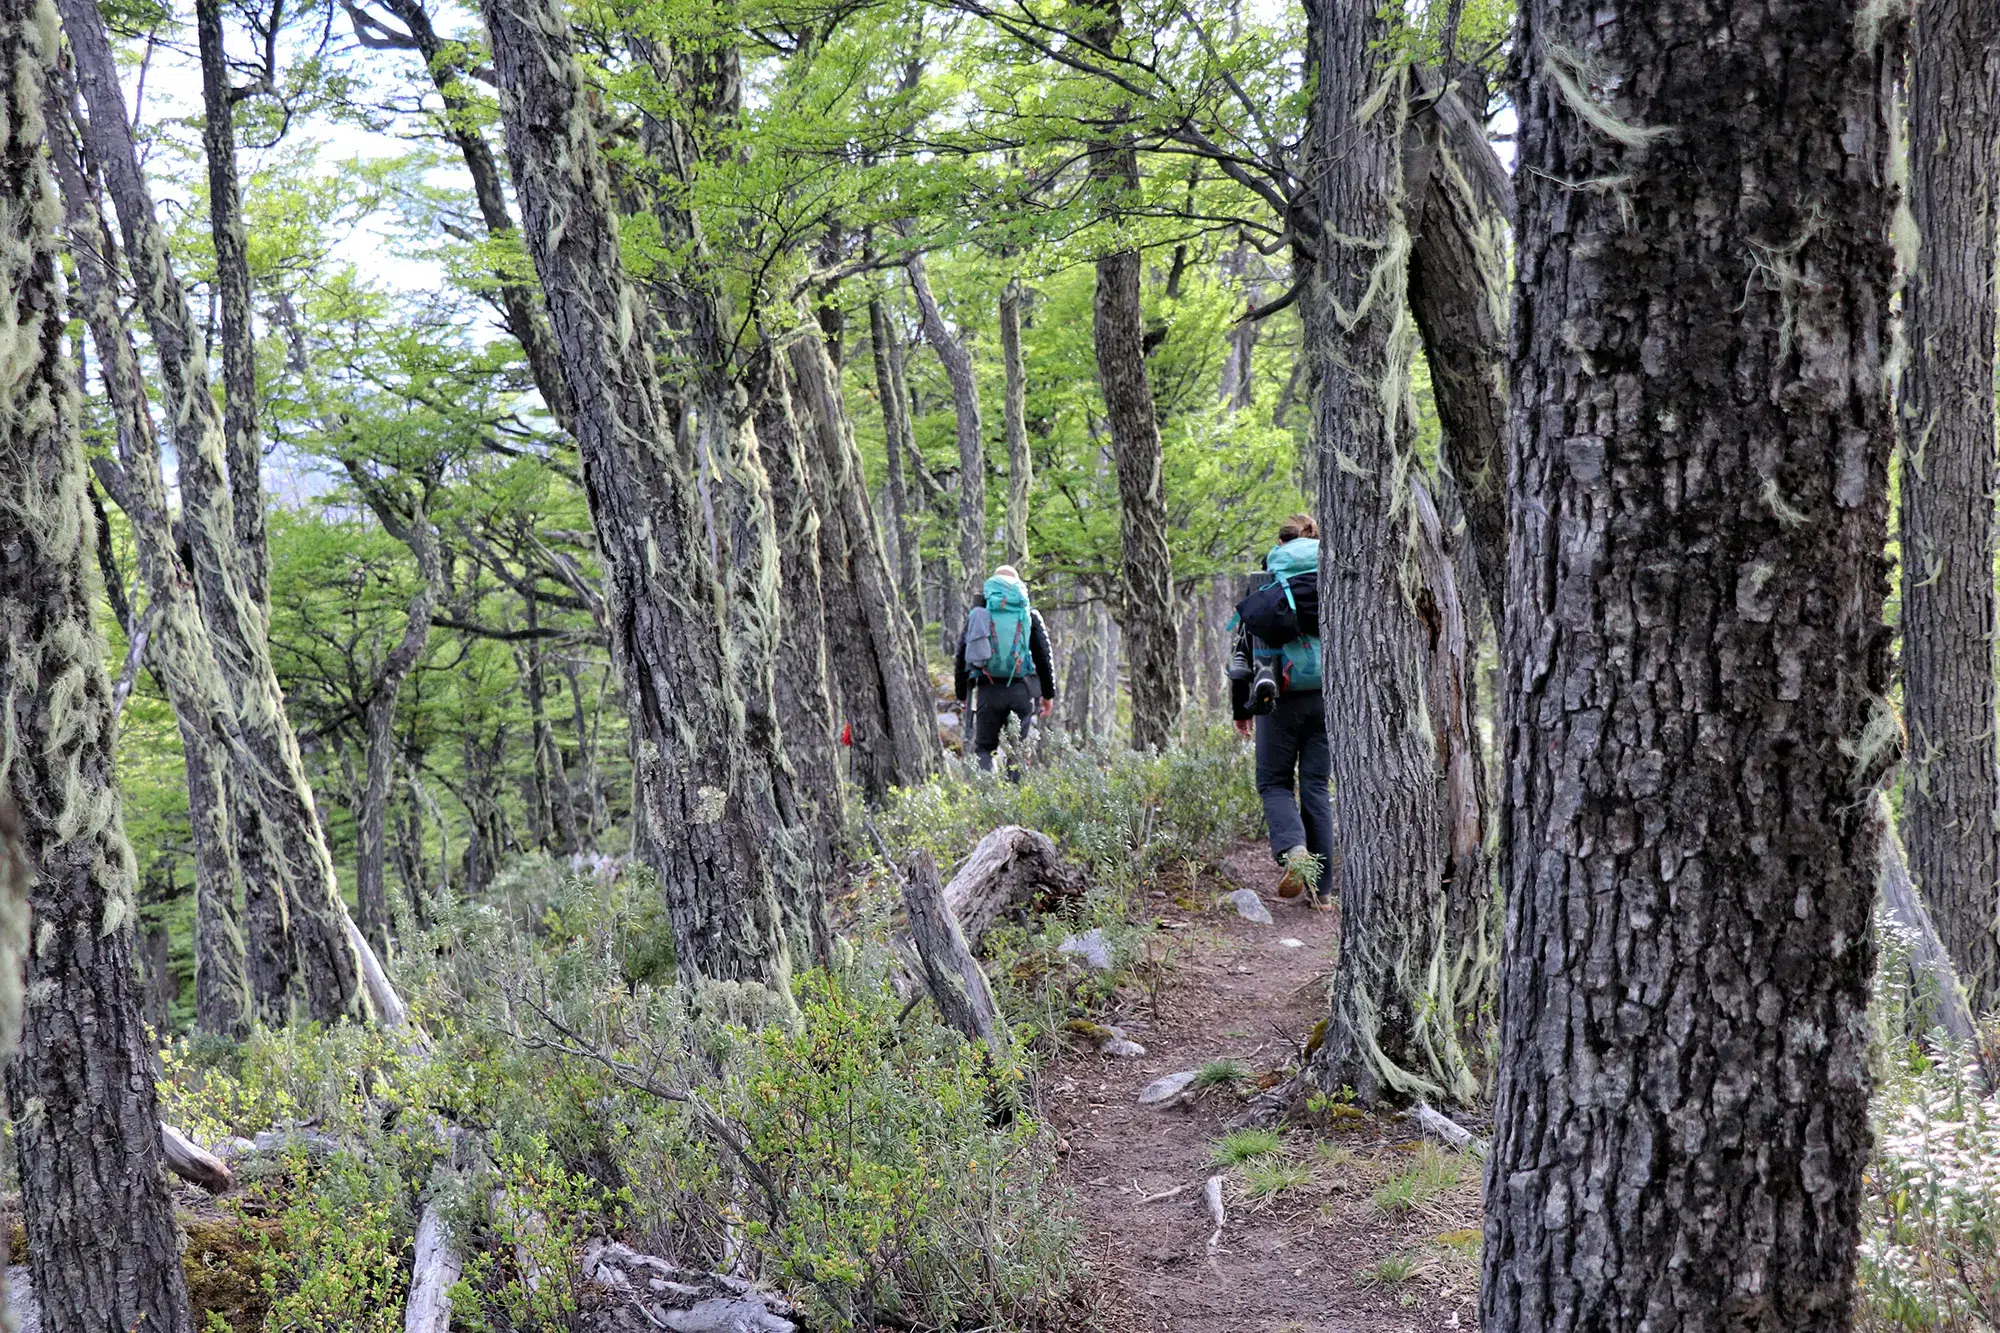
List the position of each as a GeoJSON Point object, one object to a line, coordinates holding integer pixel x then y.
{"type": "Point", "coordinates": [1274, 673]}
{"type": "Point", "coordinates": [1004, 655]}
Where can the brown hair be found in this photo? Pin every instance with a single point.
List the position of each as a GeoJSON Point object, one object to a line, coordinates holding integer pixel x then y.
{"type": "Point", "coordinates": [1297, 526]}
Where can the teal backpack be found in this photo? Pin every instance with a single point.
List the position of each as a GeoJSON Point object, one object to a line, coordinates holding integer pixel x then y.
{"type": "Point", "coordinates": [1294, 566]}
{"type": "Point", "coordinates": [1010, 656]}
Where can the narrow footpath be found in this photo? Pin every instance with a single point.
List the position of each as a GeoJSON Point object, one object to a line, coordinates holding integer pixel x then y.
{"type": "Point", "coordinates": [1358, 1227]}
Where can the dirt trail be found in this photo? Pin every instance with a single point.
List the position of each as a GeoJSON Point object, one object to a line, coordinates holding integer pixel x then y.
{"type": "Point", "coordinates": [1372, 1231]}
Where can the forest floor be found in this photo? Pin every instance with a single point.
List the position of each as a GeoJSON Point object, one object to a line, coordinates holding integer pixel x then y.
{"type": "Point", "coordinates": [1361, 1225]}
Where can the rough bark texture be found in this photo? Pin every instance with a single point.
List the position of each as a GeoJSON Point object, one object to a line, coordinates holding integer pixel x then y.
{"type": "Point", "coordinates": [518, 301]}
{"type": "Point", "coordinates": [102, 1247]}
{"type": "Point", "coordinates": [182, 657]}
{"type": "Point", "coordinates": [15, 881]}
{"type": "Point", "coordinates": [957, 360]}
{"type": "Point", "coordinates": [1951, 793]}
{"type": "Point", "coordinates": [313, 964]}
{"type": "Point", "coordinates": [1461, 205]}
{"type": "Point", "coordinates": [1147, 609]}
{"type": "Point", "coordinates": [1393, 1034]}
{"type": "Point", "coordinates": [1011, 867]}
{"type": "Point", "coordinates": [243, 445]}
{"type": "Point", "coordinates": [804, 692]}
{"type": "Point", "coordinates": [701, 800]}
{"type": "Point", "coordinates": [898, 445]}
{"type": "Point", "coordinates": [884, 696]}
{"type": "Point", "coordinates": [1697, 664]}
{"type": "Point", "coordinates": [1014, 425]}
{"type": "Point", "coordinates": [952, 975]}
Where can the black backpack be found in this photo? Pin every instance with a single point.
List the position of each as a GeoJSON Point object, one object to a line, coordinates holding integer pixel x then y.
{"type": "Point", "coordinates": [1283, 608]}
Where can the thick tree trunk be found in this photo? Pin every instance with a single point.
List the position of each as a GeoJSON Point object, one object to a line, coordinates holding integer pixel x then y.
{"type": "Point", "coordinates": [242, 443]}
{"type": "Point", "coordinates": [102, 1247]}
{"type": "Point", "coordinates": [957, 360]}
{"type": "Point", "coordinates": [706, 808]}
{"type": "Point", "coordinates": [1951, 793]}
{"type": "Point", "coordinates": [183, 659]}
{"type": "Point", "coordinates": [1697, 664]}
{"type": "Point", "coordinates": [898, 445]}
{"type": "Point", "coordinates": [1148, 610]}
{"type": "Point", "coordinates": [1393, 1033]}
{"type": "Point", "coordinates": [1014, 425]}
{"type": "Point", "coordinates": [884, 694]}
{"type": "Point", "coordinates": [804, 693]}
{"type": "Point", "coordinates": [519, 303]}
{"type": "Point", "coordinates": [273, 806]}
{"type": "Point", "coordinates": [1462, 205]}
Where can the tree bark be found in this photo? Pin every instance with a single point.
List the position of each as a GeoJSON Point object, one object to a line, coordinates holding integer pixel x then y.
{"type": "Point", "coordinates": [242, 442]}
{"type": "Point", "coordinates": [1393, 1032]}
{"type": "Point", "coordinates": [898, 445]}
{"type": "Point", "coordinates": [952, 975]}
{"type": "Point", "coordinates": [804, 692]}
{"type": "Point", "coordinates": [182, 656]}
{"type": "Point", "coordinates": [884, 695]}
{"type": "Point", "coordinates": [957, 360]}
{"type": "Point", "coordinates": [273, 805]}
{"type": "Point", "coordinates": [1014, 425]}
{"type": "Point", "coordinates": [704, 805]}
{"type": "Point", "coordinates": [1148, 609]}
{"type": "Point", "coordinates": [1462, 206]}
{"type": "Point", "coordinates": [102, 1246]}
{"type": "Point", "coordinates": [1697, 664]}
{"type": "Point", "coordinates": [1951, 801]}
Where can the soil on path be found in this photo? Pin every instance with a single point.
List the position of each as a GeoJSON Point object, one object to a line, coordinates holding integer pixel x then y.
{"type": "Point", "coordinates": [1373, 1230]}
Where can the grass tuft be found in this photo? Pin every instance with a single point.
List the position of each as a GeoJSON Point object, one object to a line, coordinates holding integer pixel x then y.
{"type": "Point", "coordinates": [1245, 1145]}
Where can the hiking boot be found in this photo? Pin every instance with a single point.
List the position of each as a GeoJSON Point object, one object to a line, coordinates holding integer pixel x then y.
{"type": "Point", "coordinates": [1301, 872]}
{"type": "Point", "coordinates": [1239, 665]}
{"type": "Point", "coordinates": [1264, 689]}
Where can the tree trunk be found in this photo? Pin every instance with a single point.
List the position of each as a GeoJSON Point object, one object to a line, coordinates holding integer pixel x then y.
{"type": "Point", "coordinates": [1462, 203]}
{"type": "Point", "coordinates": [1698, 668]}
{"type": "Point", "coordinates": [1147, 610]}
{"type": "Point", "coordinates": [885, 695]}
{"type": "Point", "coordinates": [102, 1246]}
{"type": "Point", "coordinates": [898, 444]}
{"type": "Point", "coordinates": [242, 444]}
{"type": "Point", "coordinates": [952, 975]}
{"type": "Point", "coordinates": [1014, 420]}
{"type": "Point", "coordinates": [957, 360]}
{"type": "Point", "coordinates": [1393, 1032]}
{"type": "Point", "coordinates": [1951, 798]}
{"type": "Point", "coordinates": [519, 303]}
{"type": "Point", "coordinates": [705, 807]}
{"type": "Point", "coordinates": [273, 806]}
{"type": "Point", "coordinates": [804, 693]}
{"type": "Point", "coordinates": [182, 656]}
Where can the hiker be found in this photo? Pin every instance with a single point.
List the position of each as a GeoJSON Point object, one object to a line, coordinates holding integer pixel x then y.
{"type": "Point", "coordinates": [1004, 653]}
{"type": "Point", "coordinates": [1275, 686]}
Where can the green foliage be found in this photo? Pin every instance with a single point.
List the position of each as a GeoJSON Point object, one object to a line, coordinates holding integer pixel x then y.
{"type": "Point", "coordinates": [1267, 1177]}
{"type": "Point", "coordinates": [524, 1274]}
{"type": "Point", "coordinates": [340, 1266]}
{"type": "Point", "coordinates": [1431, 1172]}
{"type": "Point", "coordinates": [1244, 1145]}
{"type": "Point", "coordinates": [1223, 1073]}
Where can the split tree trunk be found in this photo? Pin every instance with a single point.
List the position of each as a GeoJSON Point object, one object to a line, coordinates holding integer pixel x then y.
{"type": "Point", "coordinates": [883, 692]}
{"type": "Point", "coordinates": [242, 444]}
{"type": "Point", "coordinates": [957, 360]}
{"type": "Point", "coordinates": [182, 656]}
{"type": "Point", "coordinates": [102, 1246]}
{"type": "Point", "coordinates": [1951, 795]}
{"type": "Point", "coordinates": [1014, 425]}
{"type": "Point", "coordinates": [898, 445]}
{"type": "Point", "coordinates": [1393, 1032]}
{"type": "Point", "coordinates": [273, 804]}
{"type": "Point", "coordinates": [703, 806]}
{"type": "Point", "coordinates": [1697, 664]}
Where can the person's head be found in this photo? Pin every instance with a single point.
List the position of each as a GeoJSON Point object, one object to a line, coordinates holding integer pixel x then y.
{"type": "Point", "coordinates": [1007, 572]}
{"type": "Point", "coordinates": [1297, 526]}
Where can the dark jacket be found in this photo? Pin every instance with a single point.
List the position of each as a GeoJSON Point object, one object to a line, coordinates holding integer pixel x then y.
{"type": "Point", "coordinates": [1038, 649]}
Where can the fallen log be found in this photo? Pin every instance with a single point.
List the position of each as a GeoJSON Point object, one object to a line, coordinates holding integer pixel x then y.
{"type": "Point", "coordinates": [1011, 867]}
{"type": "Point", "coordinates": [952, 975]}
{"type": "Point", "coordinates": [438, 1265]}
{"type": "Point", "coordinates": [194, 1163]}
{"type": "Point", "coordinates": [649, 1293]}
{"type": "Point", "coordinates": [390, 1011]}
{"type": "Point", "coordinates": [1457, 1135]}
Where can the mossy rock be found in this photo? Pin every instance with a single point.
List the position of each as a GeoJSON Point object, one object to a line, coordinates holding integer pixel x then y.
{"type": "Point", "coordinates": [225, 1261]}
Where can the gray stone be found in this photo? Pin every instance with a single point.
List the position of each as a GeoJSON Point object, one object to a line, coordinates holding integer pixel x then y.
{"type": "Point", "coordinates": [1117, 1044]}
{"type": "Point", "coordinates": [1249, 906]}
{"type": "Point", "coordinates": [1167, 1089]}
